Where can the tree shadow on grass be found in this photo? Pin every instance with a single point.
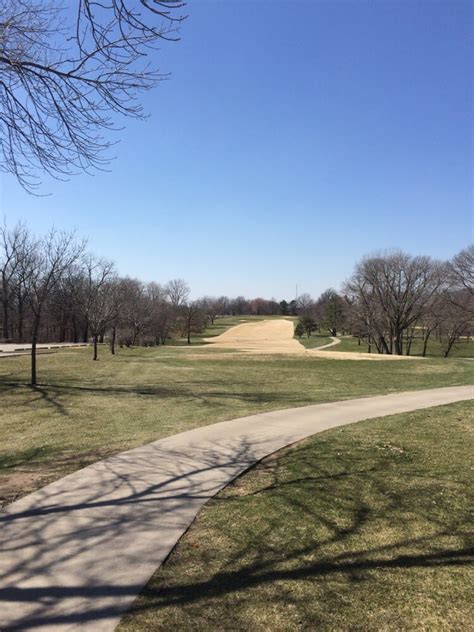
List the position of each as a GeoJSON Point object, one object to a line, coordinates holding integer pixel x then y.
{"type": "Point", "coordinates": [336, 505]}
{"type": "Point", "coordinates": [262, 567]}
{"type": "Point", "coordinates": [52, 393]}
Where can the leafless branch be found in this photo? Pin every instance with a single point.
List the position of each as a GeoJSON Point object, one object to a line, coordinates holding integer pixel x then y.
{"type": "Point", "coordinates": [61, 85]}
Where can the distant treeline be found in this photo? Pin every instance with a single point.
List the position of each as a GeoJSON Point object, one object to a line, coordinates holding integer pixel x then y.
{"type": "Point", "coordinates": [52, 289]}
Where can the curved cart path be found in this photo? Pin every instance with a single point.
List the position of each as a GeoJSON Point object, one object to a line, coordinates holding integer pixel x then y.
{"type": "Point", "coordinates": [334, 341]}
{"type": "Point", "coordinates": [74, 555]}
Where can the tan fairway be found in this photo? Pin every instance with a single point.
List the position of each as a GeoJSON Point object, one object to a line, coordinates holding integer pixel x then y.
{"type": "Point", "coordinates": [276, 337]}
{"type": "Point", "coordinates": [266, 336]}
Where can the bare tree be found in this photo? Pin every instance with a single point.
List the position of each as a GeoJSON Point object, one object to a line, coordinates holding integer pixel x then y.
{"type": "Point", "coordinates": [239, 306]}
{"type": "Point", "coordinates": [136, 313]}
{"type": "Point", "coordinates": [95, 297]}
{"type": "Point", "coordinates": [392, 291]}
{"type": "Point", "coordinates": [117, 301]}
{"type": "Point", "coordinates": [50, 260]}
{"type": "Point", "coordinates": [61, 81]}
{"type": "Point", "coordinates": [431, 319]}
{"type": "Point", "coordinates": [258, 306]}
{"type": "Point", "coordinates": [461, 274]}
{"type": "Point", "coordinates": [178, 292]}
{"type": "Point", "coordinates": [304, 303]}
{"type": "Point", "coordinates": [457, 321]}
{"type": "Point", "coordinates": [193, 317]}
{"type": "Point", "coordinates": [462, 268]}
{"type": "Point", "coordinates": [14, 248]}
{"type": "Point", "coordinates": [213, 306]}
{"type": "Point", "coordinates": [162, 315]}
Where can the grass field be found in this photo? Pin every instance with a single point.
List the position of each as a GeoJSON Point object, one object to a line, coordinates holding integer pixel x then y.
{"type": "Point", "coordinates": [364, 527]}
{"type": "Point", "coordinates": [462, 349]}
{"type": "Point", "coordinates": [315, 340]}
{"type": "Point", "coordinates": [83, 411]}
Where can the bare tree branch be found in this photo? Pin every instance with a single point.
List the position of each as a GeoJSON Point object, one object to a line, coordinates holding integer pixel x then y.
{"type": "Point", "coordinates": [61, 84]}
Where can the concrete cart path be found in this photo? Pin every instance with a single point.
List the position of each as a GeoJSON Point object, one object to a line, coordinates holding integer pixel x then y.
{"type": "Point", "coordinates": [9, 349]}
{"type": "Point", "coordinates": [75, 554]}
{"type": "Point", "coordinates": [334, 341]}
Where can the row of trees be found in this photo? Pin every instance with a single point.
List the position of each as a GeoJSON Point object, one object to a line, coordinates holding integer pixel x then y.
{"type": "Point", "coordinates": [393, 299]}
{"type": "Point", "coordinates": [52, 289]}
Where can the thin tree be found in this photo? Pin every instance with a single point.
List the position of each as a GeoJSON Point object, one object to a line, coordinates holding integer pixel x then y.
{"type": "Point", "coordinates": [193, 317]}
{"type": "Point", "coordinates": [14, 248]}
{"type": "Point", "coordinates": [95, 297]}
{"type": "Point", "coordinates": [49, 262]}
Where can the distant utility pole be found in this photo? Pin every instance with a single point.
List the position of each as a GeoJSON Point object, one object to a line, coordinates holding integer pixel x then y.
{"type": "Point", "coordinates": [296, 295]}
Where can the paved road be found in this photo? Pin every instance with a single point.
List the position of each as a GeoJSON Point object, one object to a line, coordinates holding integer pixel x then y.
{"type": "Point", "coordinates": [11, 348]}
{"type": "Point", "coordinates": [74, 555]}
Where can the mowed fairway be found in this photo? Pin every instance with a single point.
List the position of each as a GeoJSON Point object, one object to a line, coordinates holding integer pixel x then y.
{"type": "Point", "coordinates": [83, 411]}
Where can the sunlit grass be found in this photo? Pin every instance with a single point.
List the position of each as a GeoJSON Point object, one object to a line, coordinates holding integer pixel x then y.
{"type": "Point", "coordinates": [82, 410]}
{"type": "Point", "coordinates": [464, 348]}
{"type": "Point", "coordinates": [365, 527]}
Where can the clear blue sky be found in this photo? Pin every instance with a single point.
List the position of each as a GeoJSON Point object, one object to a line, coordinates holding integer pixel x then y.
{"type": "Point", "coordinates": [293, 138]}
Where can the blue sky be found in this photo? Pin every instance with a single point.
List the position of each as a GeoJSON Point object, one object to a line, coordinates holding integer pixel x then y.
{"type": "Point", "coordinates": [293, 138]}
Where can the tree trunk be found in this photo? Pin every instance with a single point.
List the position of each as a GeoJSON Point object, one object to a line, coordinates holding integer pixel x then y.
{"type": "Point", "coordinates": [74, 329]}
{"type": "Point", "coordinates": [384, 346]}
{"type": "Point", "coordinates": [112, 340]}
{"type": "Point", "coordinates": [410, 339]}
{"type": "Point", "coordinates": [425, 344]}
{"type": "Point", "coordinates": [189, 335]}
{"type": "Point", "coordinates": [62, 331]}
{"type": "Point", "coordinates": [20, 320]}
{"type": "Point", "coordinates": [399, 343]}
{"type": "Point", "coordinates": [96, 337]}
{"type": "Point", "coordinates": [451, 342]}
{"type": "Point", "coordinates": [6, 325]}
{"type": "Point", "coordinates": [34, 340]}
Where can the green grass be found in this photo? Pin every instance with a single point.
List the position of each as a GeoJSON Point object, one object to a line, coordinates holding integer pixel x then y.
{"type": "Point", "coordinates": [83, 411]}
{"type": "Point", "coordinates": [315, 341]}
{"type": "Point", "coordinates": [462, 349]}
{"type": "Point", "coordinates": [365, 527]}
